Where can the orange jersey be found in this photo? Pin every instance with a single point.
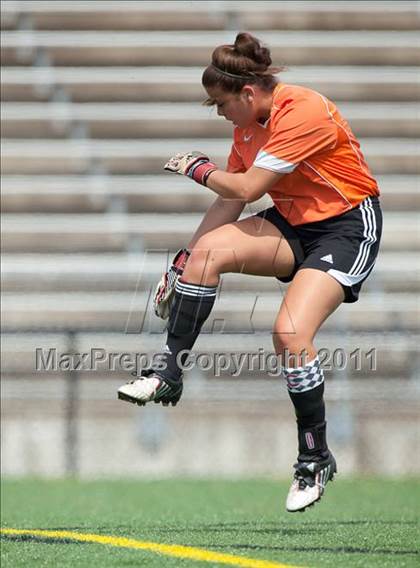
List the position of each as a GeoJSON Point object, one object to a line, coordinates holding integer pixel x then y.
{"type": "Point", "coordinates": [307, 139]}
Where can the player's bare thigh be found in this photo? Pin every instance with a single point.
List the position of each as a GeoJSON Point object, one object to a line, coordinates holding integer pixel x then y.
{"type": "Point", "coordinates": [249, 246]}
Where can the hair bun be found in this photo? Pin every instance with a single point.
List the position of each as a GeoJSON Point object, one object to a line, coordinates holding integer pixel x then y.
{"type": "Point", "coordinates": [250, 47]}
{"type": "Point", "coordinates": [245, 62]}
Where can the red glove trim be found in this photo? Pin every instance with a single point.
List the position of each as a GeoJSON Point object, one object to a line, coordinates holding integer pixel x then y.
{"type": "Point", "coordinates": [180, 259]}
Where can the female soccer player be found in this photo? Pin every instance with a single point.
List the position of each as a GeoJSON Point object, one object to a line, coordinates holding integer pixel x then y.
{"type": "Point", "coordinates": [321, 235]}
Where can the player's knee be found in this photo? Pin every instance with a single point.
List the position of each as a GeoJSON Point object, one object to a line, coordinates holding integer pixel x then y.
{"type": "Point", "coordinates": [196, 265]}
{"type": "Point", "coordinates": [203, 260]}
{"type": "Point", "coordinates": [290, 344]}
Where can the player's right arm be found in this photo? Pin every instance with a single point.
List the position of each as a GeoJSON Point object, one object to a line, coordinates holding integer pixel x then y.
{"type": "Point", "coordinates": [223, 210]}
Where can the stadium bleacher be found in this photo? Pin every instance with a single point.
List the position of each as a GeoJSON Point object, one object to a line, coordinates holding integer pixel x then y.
{"type": "Point", "coordinates": [96, 97]}
{"type": "Point", "coordinates": [177, 84]}
{"type": "Point", "coordinates": [179, 120]}
{"type": "Point", "coordinates": [126, 15]}
{"type": "Point", "coordinates": [83, 177]}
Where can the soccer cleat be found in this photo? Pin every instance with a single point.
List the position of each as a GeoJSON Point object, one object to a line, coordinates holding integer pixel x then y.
{"type": "Point", "coordinates": [309, 483]}
{"type": "Point", "coordinates": [149, 386]}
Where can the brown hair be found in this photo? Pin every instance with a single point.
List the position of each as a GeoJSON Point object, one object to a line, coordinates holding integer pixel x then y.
{"type": "Point", "coordinates": [242, 63]}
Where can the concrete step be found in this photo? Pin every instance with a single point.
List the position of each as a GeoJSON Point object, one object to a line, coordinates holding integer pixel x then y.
{"type": "Point", "coordinates": [143, 84]}
{"type": "Point", "coordinates": [393, 353]}
{"type": "Point", "coordinates": [129, 15]}
{"type": "Point", "coordinates": [233, 312]}
{"type": "Point", "coordinates": [304, 47]}
{"type": "Point", "coordinates": [179, 120]}
{"type": "Point", "coordinates": [119, 232]}
{"type": "Point", "coordinates": [394, 272]}
{"type": "Point", "coordinates": [259, 393]}
{"type": "Point", "coordinates": [149, 194]}
{"type": "Point", "coordinates": [77, 156]}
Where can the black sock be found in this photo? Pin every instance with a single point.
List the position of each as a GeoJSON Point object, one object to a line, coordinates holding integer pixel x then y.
{"type": "Point", "coordinates": [309, 406]}
{"type": "Point", "coordinates": [190, 309]}
{"type": "Point", "coordinates": [306, 391]}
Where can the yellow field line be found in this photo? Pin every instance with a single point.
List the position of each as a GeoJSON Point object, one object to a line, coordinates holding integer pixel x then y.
{"type": "Point", "coordinates": [178, 551]}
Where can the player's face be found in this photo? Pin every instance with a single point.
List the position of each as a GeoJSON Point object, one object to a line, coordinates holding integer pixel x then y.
{"type": "Point", "coordinates": [237, 108]}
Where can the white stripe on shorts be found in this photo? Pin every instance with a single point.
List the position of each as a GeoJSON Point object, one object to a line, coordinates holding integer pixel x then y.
{"type": "Point", "coordinates": [369, 221]}
{"type": "Point", "coordinates": [349, 279]}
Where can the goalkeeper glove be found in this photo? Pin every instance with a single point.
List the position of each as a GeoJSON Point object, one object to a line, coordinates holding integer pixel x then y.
{"type": "Point", "coordinates": [195, 165]}
{"type": "Point", "coordinates": [165, 290]}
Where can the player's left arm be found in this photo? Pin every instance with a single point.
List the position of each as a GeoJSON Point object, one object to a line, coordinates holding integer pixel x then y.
{"type": "Point", "coordinates": [248, 186]}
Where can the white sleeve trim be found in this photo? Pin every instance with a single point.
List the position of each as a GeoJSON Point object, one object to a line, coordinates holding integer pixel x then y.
{"type": "Point", "coordinates": [270, 162]}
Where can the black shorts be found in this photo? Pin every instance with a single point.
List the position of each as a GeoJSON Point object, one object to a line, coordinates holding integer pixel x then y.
{"type": "Point", "coordinates": [345, 246]}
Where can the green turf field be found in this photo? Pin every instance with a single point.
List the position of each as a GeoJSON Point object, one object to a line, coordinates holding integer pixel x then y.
{"type": "Point", "coordinates": [358, 523]}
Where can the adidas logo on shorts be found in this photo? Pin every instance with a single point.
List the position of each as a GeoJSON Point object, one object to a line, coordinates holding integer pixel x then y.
{"type": "Point", "coordinates": [328, 258]}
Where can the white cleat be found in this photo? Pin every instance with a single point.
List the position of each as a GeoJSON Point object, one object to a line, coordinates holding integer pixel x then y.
{"type": "Point", "coordinates": [151, 387]}
{"type": "Point", "coordinates": [309, 483]}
